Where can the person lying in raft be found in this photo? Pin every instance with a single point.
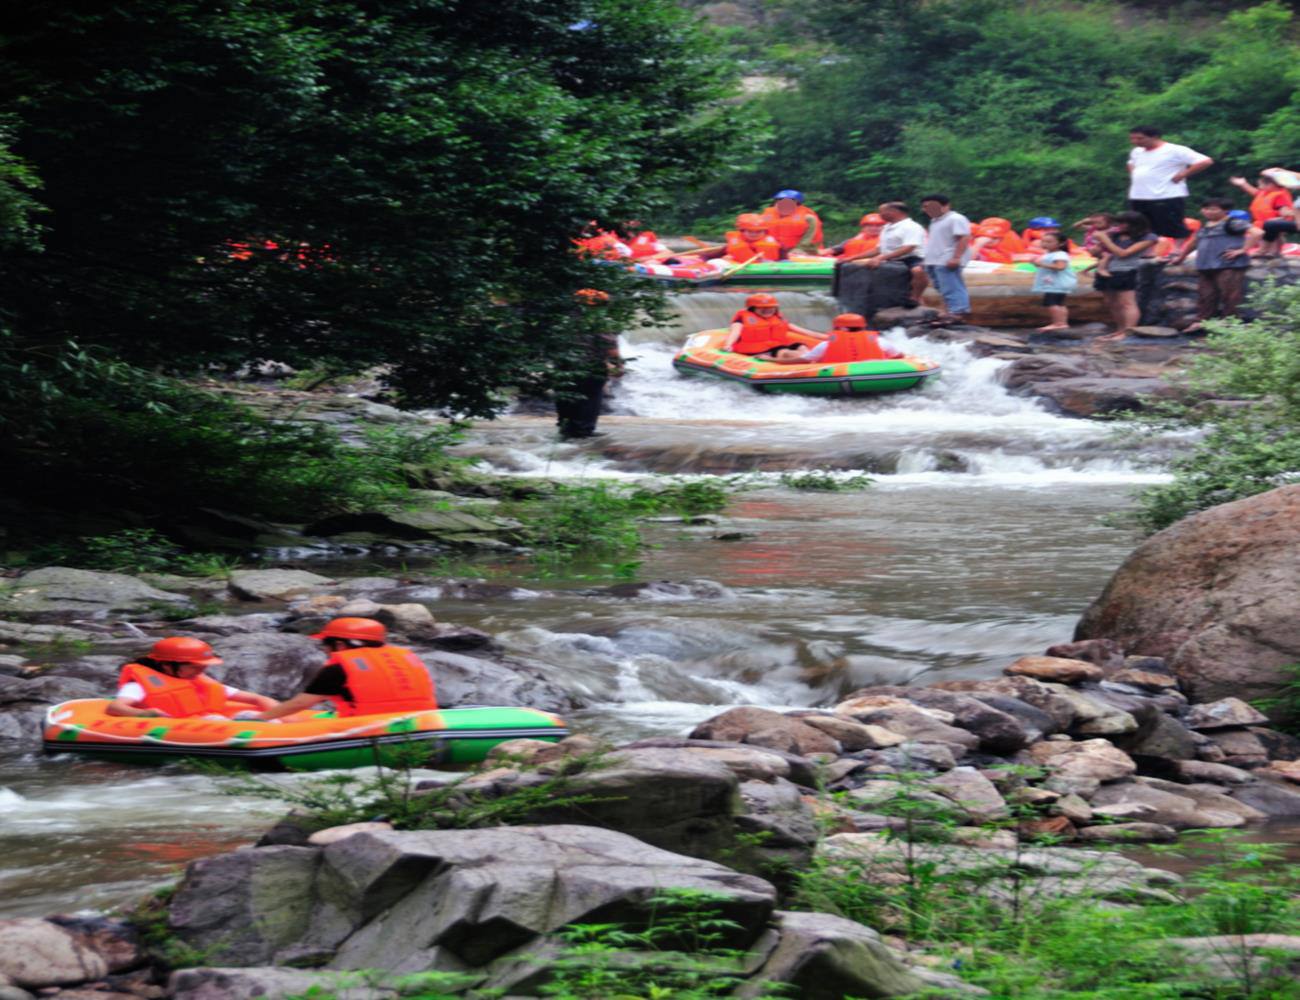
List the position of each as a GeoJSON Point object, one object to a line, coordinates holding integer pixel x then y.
{"type": "Point", "coordinates": [170, 682]}
{"type": "Point", "coordinates": [363, 675]}
{"type": "Point", "coordinates": [760, 331]}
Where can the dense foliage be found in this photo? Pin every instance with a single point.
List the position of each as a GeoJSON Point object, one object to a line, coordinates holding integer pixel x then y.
{"type": "Point", "coordinates": [190, 185]}
{"type": "Point", "coordinates": [1252, 443]}
{"type": "Point", "coordinates": [1016, 109]}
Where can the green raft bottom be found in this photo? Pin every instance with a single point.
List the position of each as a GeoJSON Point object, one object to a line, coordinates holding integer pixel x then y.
{"type": "Point", "coordinates": [870, 377]}
{"type": "Point", "coordinates": [811, 273]}
{"type": "Point", "coordinates": [469, 735]}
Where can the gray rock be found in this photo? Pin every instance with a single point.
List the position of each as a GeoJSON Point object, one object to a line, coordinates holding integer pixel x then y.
{"type": "Point", "coordinates": [1271, 797]}
{"type": "Point", "coordinates": [62, 590]}
{"type": "Point", "coordinates": [919, 726]}
{"type": "Point", "coordinates": [1177, 811]}
{"type": "Point", "coordinates": [502, 680]}
{"type": "Point", "coordinates": [777, 814]}
{"type": "Point", "coordinates": [1035, 723]}
{"type": "Point", "coordinates": [1166, 739]}
{"type": "Point", "coordinates": [1223, 714]}
{"type": "Point", "coordinates": [1218, 774]}
{"type": "Point", "coordinates": [1128, 833]}
{"type": "Point", "coordinates": [802, 770]}
{"type": "Point", "coordinates": [234, 624]}
{"type": "Point", "coordinates": [824, 957]}
{"type": "Point", "coordinates": [1240, 747]}
{"type": "Point", "coordinates": [36, 953]}
{"type": "Point", "coordinates": [276, 664]}
{"type": "Point", "coordinates": [851, 736]}
{"type": "Point", "coordinates": [275, 584]}
{"type": "Point", "coordinates": [28, 632]}
{"type": "Point", "coordinates": [1092, 760]}
{"type": "Point", "coordinates": [915, 755]}
{"type": "Point", "coordinates": [999, 730]}
{"type": "Point", "coordinates": [270, 983]}
{"type": "Point", "coordinates": [1092, 715]}
{"type": "Point", "coordinates": [1241, 958]}
{"type": "Point", "coordinates": [762, 727]}
{"type": "Point", "coordinates": [44, 689]}
{"type": "Point", "coordinates": [972, 791]}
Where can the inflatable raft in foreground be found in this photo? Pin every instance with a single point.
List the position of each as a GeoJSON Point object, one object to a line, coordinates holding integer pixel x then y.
{"type": "Point", "coordinates": [703, 353]}
{"type": "Point", "coordinates": [306, 741]}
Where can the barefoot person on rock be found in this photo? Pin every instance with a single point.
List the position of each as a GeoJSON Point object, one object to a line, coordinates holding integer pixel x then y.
{"type": "Point", "coordinates": [363, 675]}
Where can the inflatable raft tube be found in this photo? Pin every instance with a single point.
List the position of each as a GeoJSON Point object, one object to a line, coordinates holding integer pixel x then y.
{"type": "Point", "coordinates": [703, 354]}
{"type": "Point", "coordinates": [306, 741]}
{"type": "Point", "coordinates": [798, 272]}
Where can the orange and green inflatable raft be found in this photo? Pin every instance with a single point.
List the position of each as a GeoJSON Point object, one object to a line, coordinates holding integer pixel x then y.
{"type": "Point", "coordinates": [306, 741]}
{"type": "Point", "coordinates": [703, 354]}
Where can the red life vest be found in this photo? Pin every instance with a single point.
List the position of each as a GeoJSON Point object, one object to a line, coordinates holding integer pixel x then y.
{"type": "Point", "coordinates": [759, 334]}
{"type": "Point", "coordinates": [383, 679]}
{"type": "Point", "coordinates": [603, 244]}
{"type": "Point", "coordinates": [856, 345]}
{"type": "Point", "coordinates": [178, 698]}
{"type": "Point", "coordinates": [855, 245]}
{"type": "Point", "coordinates": [788, 230]}
{"type": "Point", "coordinates": [740, 249]}
{"type": "Point", "coordinates": [1269, 205]}
{"type": "Point", "coordinates": [995, 252]}
{"type": "Point", "coordinates": [643, 244]}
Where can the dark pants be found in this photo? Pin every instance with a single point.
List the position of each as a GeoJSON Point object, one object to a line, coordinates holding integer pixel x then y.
{"type": "Point", "coordinates": [577, 406]}
{"type": "Point", "coordinates": [1164, 214]}
{"type": "Point", "coordinates": [1219, 292]}
{"type": "Point", "coordinates": [1274, 228]}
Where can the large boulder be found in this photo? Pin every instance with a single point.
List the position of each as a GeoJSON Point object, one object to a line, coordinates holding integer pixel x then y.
{"type": "Point", "coordinates": [275, 584]}
{"type": "Point", "coordinates": [275, 664]}
{"type": "Point", "coordinates": [271, 983]}
{"type": "Point", "coordinates": [35, 953]}
{"type": "Point", "coordinates": [765, 728]}
{"type": "Point", "coordinates": [502, 680]}
{"type": "Point", "coordinates": [60, 590]}
{"type": "Point", "coordinates": [1215, 595]}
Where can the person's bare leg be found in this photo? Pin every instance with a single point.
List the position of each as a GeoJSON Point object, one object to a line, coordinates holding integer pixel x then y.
{"type": "Point", "coordinates": [1116, 309]}
{"type": "Point", "coordinates": [1058, 318]}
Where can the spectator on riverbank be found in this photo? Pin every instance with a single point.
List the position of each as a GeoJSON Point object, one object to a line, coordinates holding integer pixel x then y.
{"type": "Point", "coordinates": [1053, 277]}
{"type": "Point", "coordinates": [1268, 199]}
{"type": "Point", "coordinates": [947, 251]}
{"type": "Point", "coordinates": [902, 239]}
{"type": "Point", "coordinates": [1222, 246]}
{"type": "Point", "coordinates": [1124, 248]}
{"type": "Point", "coordinates": [1158, 173]}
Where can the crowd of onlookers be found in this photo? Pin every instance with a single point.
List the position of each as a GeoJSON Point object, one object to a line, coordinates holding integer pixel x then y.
{"type": "Point", "coordinates": [1154, 225]}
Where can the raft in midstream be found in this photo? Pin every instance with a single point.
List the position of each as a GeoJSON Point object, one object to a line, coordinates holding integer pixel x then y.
{"type": "Point", "coordinates": [306, 741]}
{"type": "Point", "coordinates": [703, 353]}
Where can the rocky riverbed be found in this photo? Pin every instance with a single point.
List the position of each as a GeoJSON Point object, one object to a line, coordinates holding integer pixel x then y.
{"type": "Point", "coordinates": [1093, 741]}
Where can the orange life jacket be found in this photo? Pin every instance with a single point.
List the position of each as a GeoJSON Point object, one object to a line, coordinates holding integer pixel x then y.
{"type": "Point", "coordinates": [759, 334]}
{"type": "Point", "coordinates": [855, 345]}
{"type": "Point", "coordinates": [995, 252]}
{"type": "Point", "coordinates": [178, 698]}
{"type": "Point", "coordinates": [643, 245]}
{"type": "Point", "coordinates": [1269, 205]}
{"type": "Point", "coordinates": [788, 230]}
{"type": "Point", "coordinates": [855, 245]}
{"type": "Point", "coordinates": [603, 244]}
{"type": "Point", "coordinates": [740, 249]}
{"type": "Point", "coordinates": [383, 679]}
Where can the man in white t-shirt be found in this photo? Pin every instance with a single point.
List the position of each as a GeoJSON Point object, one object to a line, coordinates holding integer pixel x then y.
{"type": "Point", "coordinates": [902, 239]}
{"type": "Point", "coordinates": [947, 251]}
{"type": "Point", "coordinates": [1158, 173]}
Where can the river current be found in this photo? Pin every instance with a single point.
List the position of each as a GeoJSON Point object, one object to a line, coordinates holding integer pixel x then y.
{"type": "Point", "coordinates": [981, 540]}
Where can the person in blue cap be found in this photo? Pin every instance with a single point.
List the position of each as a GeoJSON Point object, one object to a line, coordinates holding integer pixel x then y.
{"type": "Point", "coordinates": [1039, 226]}
{"type": "Point", "coordinates": [1222, 245]}
{"type": "Point", "coordinates": [792, 224]}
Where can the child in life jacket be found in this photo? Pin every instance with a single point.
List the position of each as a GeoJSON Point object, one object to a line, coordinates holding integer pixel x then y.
{"type": "Point", "coordinates": [1053, 277]}
{"type": "Point", "coordinates": [857, 247]}
{"type": "Point", "coordinates": [170, 682]}
{"type": "Point", "coordinates": [760, 331]}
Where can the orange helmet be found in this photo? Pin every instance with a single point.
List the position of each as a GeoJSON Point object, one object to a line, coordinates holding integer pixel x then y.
{"type": "Point", "coordinates": [761, 300]}
{"type": "Point", "coordinates": [177, 649]}
{"type": "Point", "coordinates": [993, 222]}
{"type": "Point", "coordinates": [992, 232]}
{"type": "Point", "coordinates": [591, 296]}
{"type": "Point", "coordinates": [850, 321]}
{"type": "Point", "coordinates": [871, 219]}
{"type": "Point", "coordinates": [366, 629]}
{"type": "Point", "coordinates": [750, 221]}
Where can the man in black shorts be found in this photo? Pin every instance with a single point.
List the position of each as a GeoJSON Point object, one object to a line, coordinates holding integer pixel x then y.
{"type": "Point", "coordinates": [1158, 173]}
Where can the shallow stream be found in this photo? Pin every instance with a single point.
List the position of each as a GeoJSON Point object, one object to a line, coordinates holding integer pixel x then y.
{"type": "Point", "coordinates": [980, 541]}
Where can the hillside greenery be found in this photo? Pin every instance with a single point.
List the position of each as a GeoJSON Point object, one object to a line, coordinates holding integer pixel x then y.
{"type": "Point", "coordinates": [1013, 109]}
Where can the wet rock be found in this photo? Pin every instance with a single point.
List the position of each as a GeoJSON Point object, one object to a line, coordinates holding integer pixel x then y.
{"type": "Point", "coordinates": [1095, 760]}
{"type": "Point", "coordinates": [1090, 396]}
{"type": "Point", "coordinates": [1240, 747]}
{"type": "Point", "coordinates": [1218, 774]}
{"type": "Point", "coordinates": [914, 722]}
{"type": "Point", "coordinates": [1055, 668]}
{"type": "Point", "coordinates": [665, 590]}
{"type": "Point", "coordinates": [1033, 722]}
{"type": "Point", "coordinates": [367, 585]}
{"type": "Point", "coordinates": [973, 792]}
{"type": "Point", "coordinates": [776, 811]}
{"type": "Point", "coordinates": [45, 689]}
{"type": "Point", "coordinates": [1025, 689]}
{"type": "Point", "coordinates": [1287, 769]}
{"type": "Point", "coordinates": [60, 590]}
{"type": "Point", "coordinates": [1074, 808]}
{"type": "Point", "coordinates": [1240, 958]}
{"type": "Point", "coordinates": [999, 730]}
{"type": "Point", "coordinates": [1270, 796]}
{"type": "Point", "coordinates": [1177, 811]}
{"type": "Point", "coordinates": [1277, 744]}
{"type": "Point", "coordinates": [1207, 797]}
{"type": "Point", "coordinates": [1165, 739]}
{"type": "Point", "coordinates": [234, 624]}
{"type": "Point", "coordinates": [915, 755]}
{"type": "Point", "coordinates": [747, 763]}
{"type": "Point", "coordinates": [1025, 371]}
{"type": "Point", "coordinates": [275, 584]}
{"type": "Point", "coordinates": [1146, 680]}
{"type": "Point", "coordinates": [1215, 595]}
{"type": "Point", "coordinates": [892, 316]}
{"type": "Point", "coordinates": [276, 664]}
{"type": "Point", "coordinates": [333, 834]}
{"type": "Point", "coordinates": [761, 727]}
{"type": "Point", "coordinates": [1129, 833]}
{"type": "Point", "coordinates": [1222, 714]}
{"type": "Point", "coordinates": [803, 771]}
{"type": "Point", "coordinates": [271, 983]}
{"type": "Point", "coordinates": [471, 680]}
{"type": "Point", "coordinates": [29, 632]}
{"type": "Point", "coordinates": [36, 953]}
{"type": "Point", "coordinates": [824, 957]}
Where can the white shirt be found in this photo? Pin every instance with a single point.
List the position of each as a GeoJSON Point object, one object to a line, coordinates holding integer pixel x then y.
{"type": "Point", "coordinates": [945, 232]}
{"type": "Point", "coordinates": [903, 233]}
{"type": "Point", "coordinates": [1153, 168]}
{"type": "Point", "coordinates": [131, 692]}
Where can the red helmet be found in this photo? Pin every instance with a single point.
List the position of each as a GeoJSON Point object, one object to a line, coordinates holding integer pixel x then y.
{"type": "Point", "coordinates": [750, 221]}
{"type": "Point", "coordinates": [177, 649]}
{"type": "Point", "coordinates": [761, 300]}
{"type": "Point", "coordinates": [591, 296]}
{"type": "Point", "coordinates": [366, 629]}
{"type": "Point", "coordinates": [850, 321]}
{"type": "Point", "coordinates": [872, 219]}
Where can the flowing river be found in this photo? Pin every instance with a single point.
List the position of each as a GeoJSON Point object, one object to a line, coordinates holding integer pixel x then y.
{"type": "Point", "coordinates": [980, 541]}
